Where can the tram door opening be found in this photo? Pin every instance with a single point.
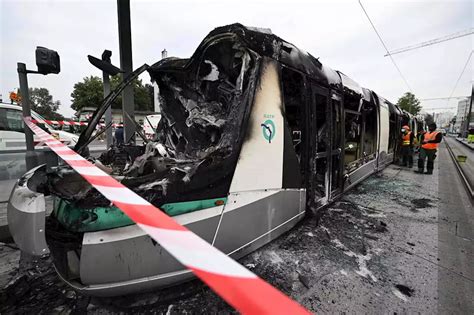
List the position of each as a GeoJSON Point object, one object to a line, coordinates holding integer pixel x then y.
{"type": "Point", "coordinates": [336, 131]}
{"type": "Point", "coordinates": [320, 144]}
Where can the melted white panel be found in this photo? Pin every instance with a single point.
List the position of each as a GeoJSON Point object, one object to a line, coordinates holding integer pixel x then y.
{"type": "Point", "coordinates": [384, 128]}
{"type": "Point", "coordinates": [260, 164]}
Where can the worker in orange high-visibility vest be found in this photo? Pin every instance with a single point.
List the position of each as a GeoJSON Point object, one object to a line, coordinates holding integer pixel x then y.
{"type": "Point", "coordinates": [429, 147]}
{"type": "Point", "coordinates": [406, 148]}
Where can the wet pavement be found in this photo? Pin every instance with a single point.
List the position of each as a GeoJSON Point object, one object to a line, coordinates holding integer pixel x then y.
{"type": "Point", "coordinates": [376, 250]}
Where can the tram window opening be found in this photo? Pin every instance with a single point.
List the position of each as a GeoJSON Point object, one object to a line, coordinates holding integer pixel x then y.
{"type": "Point", "coordinates": [320, 182]}
{"type": "Point", "coordinates": [336, 128]}
{"type": "Point", "coordinates": [353, 130]}
{"type": "Point", "coordinates": [321, 123]}
{"type": "Point", "coordinates": [370, 131]}
{"type": "Point", "coordinates": [393, 132]}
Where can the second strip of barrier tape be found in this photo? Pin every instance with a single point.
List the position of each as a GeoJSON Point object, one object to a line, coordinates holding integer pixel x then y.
{"type": "Point", "coordinates": [69, 123]}
{"type": "Point", "coordinates": [238, 286]}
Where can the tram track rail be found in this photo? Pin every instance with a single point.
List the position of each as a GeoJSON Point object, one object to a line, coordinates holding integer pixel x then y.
{"type": "Point", "coordinates": [467, 184]}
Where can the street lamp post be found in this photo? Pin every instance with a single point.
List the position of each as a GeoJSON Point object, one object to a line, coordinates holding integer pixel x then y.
{"type": "Point", "coordinates": [47, 62]}
{"type": "Point", "coordinates": [31, 157]}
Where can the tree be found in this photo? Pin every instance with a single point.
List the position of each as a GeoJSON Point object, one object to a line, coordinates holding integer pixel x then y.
{"type": "Point", "coordinates": [409, 103]}
{"type": "Point", "coordinates": [90, 92]}
{"type": "Point", "coordinates": [142, 98]}
{"type": "Point", "coordinates": [42, 103]}
{"type": "Point", "coordinates": [429, 119]}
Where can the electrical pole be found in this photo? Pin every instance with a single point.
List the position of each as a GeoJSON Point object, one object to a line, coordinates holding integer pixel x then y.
{"type": "Point", "coordinates": [125, 44]}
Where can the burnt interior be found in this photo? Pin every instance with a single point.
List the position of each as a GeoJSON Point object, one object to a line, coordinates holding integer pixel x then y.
{"type": "Point", "coordinates": [204, 102]}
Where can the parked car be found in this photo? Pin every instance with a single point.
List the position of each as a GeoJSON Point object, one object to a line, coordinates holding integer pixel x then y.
{"type": "Point", "coordinates": [12, 136]}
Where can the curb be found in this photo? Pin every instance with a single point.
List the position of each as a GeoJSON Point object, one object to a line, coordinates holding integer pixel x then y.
{"type": "Point", "coordinates": [466, 144]}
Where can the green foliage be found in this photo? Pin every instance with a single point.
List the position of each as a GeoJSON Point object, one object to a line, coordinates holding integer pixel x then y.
{"type": "Point", "coordinates": [89, 93]}
{"type": "Point", "coordinates": [409, 103]}
{"type": "Point", "coordinates": [42, 103]}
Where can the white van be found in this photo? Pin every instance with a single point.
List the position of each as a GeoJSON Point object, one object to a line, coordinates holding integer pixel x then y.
{"type": "Point", "coordinates": [12, 136]}
{"type": "Point", "coordinates": [149, 125]}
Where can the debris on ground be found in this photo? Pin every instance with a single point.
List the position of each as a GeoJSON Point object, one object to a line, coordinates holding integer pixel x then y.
{"type": "Point", "coordinates": [353, 258]}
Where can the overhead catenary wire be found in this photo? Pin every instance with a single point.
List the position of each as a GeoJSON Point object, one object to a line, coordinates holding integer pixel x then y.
{"type": "Point", "coordinates": [460, 76]}
{"type": "Point", "coordinates": [439, 108]}
{"type": "Point", "coordinates": [432, 42]}
{"type": "Point", "coordinates": [385, 46]}
{"type": "Point", "coordinates": [442, 98]}
{"type": "Point", "coordinates": [452, 92]}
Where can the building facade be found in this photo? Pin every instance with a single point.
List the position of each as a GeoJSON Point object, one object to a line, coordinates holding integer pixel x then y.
{"type": "Point", "coordinates": [461, 115]}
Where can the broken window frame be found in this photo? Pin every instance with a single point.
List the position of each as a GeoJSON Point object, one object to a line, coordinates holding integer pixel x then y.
{"type": "Point", "coordinates": [299, 137]}
{"type": "Point", "coordinates": [393, 127]}
{"type": "Point", "coordinates": [361, 155]}
{"type": "Point", "coordinates": [369, 107]}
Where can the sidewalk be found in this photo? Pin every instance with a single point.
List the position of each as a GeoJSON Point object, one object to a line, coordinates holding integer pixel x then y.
{"type": "Point", "coordinates": [464, 141]}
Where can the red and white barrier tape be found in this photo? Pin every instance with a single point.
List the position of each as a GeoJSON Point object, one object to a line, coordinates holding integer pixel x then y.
{"type": "Point", "coordinates": [68, 123]}
{"type": "Point", "coordinates": [242, 289]}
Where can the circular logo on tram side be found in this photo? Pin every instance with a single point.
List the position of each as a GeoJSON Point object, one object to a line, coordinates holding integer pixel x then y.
{"type": "Point", "coordinates": [269, 130]}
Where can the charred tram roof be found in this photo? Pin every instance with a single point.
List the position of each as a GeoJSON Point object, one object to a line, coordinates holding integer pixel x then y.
{"type": "Point", "coordinates": [268, 45]}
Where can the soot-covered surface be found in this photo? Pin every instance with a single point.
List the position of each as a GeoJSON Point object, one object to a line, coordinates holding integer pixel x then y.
{"type": "Point", "coordinates": [370, 253]}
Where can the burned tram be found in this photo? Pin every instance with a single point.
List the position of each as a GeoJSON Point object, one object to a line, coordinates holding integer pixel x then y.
{"type": "Point", "coordinates": [254, 132]}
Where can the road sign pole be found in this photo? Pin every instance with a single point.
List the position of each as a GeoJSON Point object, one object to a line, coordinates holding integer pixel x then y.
{"type": "Point", "coordinates": [31, 158]}
{"type": "Point", "coordinates": [108, 111]}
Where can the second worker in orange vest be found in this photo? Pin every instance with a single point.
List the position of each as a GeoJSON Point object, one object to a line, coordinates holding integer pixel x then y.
{"type": "Point", "coordinates": [429, 147]}
{"type": "Point", "coordinates": [406, 149]}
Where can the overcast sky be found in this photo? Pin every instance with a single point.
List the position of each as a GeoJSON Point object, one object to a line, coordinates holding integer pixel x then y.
{"type": "Point", "coordinates": [336, 31]}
